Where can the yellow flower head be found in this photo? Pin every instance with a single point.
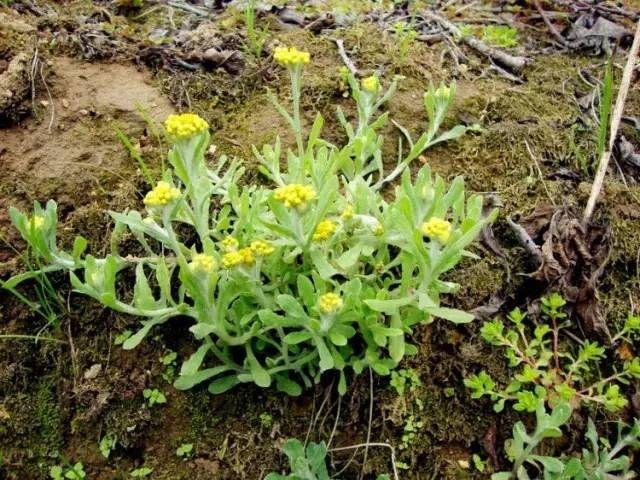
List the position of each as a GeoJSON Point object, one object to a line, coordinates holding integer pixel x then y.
{"type": "Point", "coordinates": [185, 125]}
{"type": "Point", "coordinates": [291, 57]}
{"type": "Point", "coordinates": [324, 230]}
{"type": "Point", "coordinates": [442, 92]}
{"type": "Point", "coordinates": [37, 221]}
{"type": "Point", "coordinates": [347, 213]}
{"type": "Point", "coordinates": [329, 303]}
{"type": "Point", "coordinates": [261, 248]}
{"type": "Point", "coordinates": [370, 84]}
{"type": "Point", "coordinates": [230, 243]}
{"type": "Point", "coordinates": [295, 195]}
{"type": "Point", "coordinates": [202, 263]}
{"type": "Point", "coordinates": [237, 257]}
{"type": "Point", "coordinates": [161, 195]}
{"type": "Point", "coordinates": [378, 229]}
{"type": "Point", "coordinates": [437, 228]}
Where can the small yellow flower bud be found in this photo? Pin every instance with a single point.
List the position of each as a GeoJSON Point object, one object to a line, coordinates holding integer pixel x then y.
{"type": "Point", "coordinates": [37, 221]}
{"type": "Point", "coordinates": [161, 195]}
{"type": "Point", "coordinates": [237, 257]}
{"type": "Point", "coordinates": [378, 229]}
{"type": "Point", "coordinates": [185, 125]}
{"type": "Point", "coordinates": [261, 248]}
{"type": "Point", "coordinates": [347, 212]}
{"type": "Point", "coordinates": [324, 230]}
{"type": "Point", "coordinates": [295, 195]}
{"type": "Point", "coordinates": [291, 57]}
{"type": "Point", "coordinates": [202, 263]}
{"type": "Point", "coordinates": [229, 243]}
{"type": "Point", "coordinates": [329, 303]}
{"type": "Point", "coordinates": [370, 84]}
{"type": "Point", "coordinates": [437, 228]}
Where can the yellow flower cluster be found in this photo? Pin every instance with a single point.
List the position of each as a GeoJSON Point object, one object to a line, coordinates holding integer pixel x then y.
{"type": "Point", "coordinates": [185, 125]}
{"type": "Point", "coordinates": [37, 221]}
{"type": "Point", "coordinates": [324, 230]}
{"type": "Point", "coordinates": [291, 57]}
{"type": "Point", "coordinates": [295, 195]}
{"type": "Point", "coordinates": [329, 303]}
{"type": "Point", "coordinates": [237, 257]}
{"type": "Point", "coordinates": [442, 92]}
{"type": "Point", "coordinates": [437, 228]}
{"type": "Point", "coordinates": [370, 84]}
{"type": "Point", "coordinates": [202, 263]}
{"type": "Point", "coordinates": [229, 243]}
{"type": "Point", "coordinates": [378, 229]}
{"type": "Point", "coordinates": [161, 195]}
{"type": "Point", "coordinates": [261, 248]}
{"type": "Point", "coordinates": [348, 212]}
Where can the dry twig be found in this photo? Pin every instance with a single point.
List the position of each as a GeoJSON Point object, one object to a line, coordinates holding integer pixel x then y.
{"type": "Point", "coordinates": [618, 110]}
{"type": "Point", "coordinates": [515, 63]}
{"type": "Point", "coordinates": [345, 58]}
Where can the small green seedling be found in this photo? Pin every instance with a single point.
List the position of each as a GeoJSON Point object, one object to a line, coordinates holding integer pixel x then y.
{"type": "Point", "coordinates": [107, 445]}
{"type": "Point", "coordinates": [71, 472]}
{"type": "Point", "coordinates": [141, 472]}
{"type": "Point", "coordinates": [122, 337]}
{"type": "Point", "coordinates": [405, 378]}
{"type": "Point", "coordinates": [521, 447]}
{"type": "Point", "coordinates": [185, 450]}
{"type": "Point", "coordinates": [266, 420]}
{"type": "Point", "coordinates": [405, 35]}
{"type": "Point", "coordinates": [154, 396]}
{"type": "Point", "coordinates": [479, 464]}
{"type": "Point", "coordinates": [256, 38]}
{"type": "Point", "coordinates": [500, 36]}
{"type": "Point", "coordinates": [169, 361]}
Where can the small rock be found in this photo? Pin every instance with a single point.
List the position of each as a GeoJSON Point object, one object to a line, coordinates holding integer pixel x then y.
{"type": "Point", "coordinates": [93, 371]}
{"type": "Point", "coordinates": [231, 60]}
{"type": "Point", "coordinates": [65, 103]}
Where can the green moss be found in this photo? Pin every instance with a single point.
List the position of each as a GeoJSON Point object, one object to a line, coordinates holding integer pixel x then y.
{"type": "Point", "coordinates": [49, 419]}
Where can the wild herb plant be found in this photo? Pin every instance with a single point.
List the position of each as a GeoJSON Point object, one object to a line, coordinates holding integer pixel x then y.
{"type": "Point", "coordinates": [107, 445]}
{"type": "Point", "coordinates": [404, 379]}
{"type": "Point", "coordinates": [141, 472]}
{"type": "Point", "coordinates": [256, 38]}
{"type": "Point", "coordinates": [405, 37]}
{"type": "Point", "coordinates": [521, 448]}
{"type": "Point", "coordinates": [153, 396]}
{"type": "Point", "coordinates": [307, 463]}
{"type": "Point", "coordinates": [185, 450]}
{"type": "Point", "coordinates": [280, 284]}
{"type": "Point", "coordinates": [600, 461]}
{"type": "Point", "coordinates": [69, 472]}
{"type": "Point", "coordinates": [604, 110]}
{"type": "Point", "coordinates": [500, 35]}
{"type": "Point", "coordinates": [548, 368]}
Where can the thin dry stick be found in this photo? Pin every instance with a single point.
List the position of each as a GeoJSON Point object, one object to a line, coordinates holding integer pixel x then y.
{"type": "Point", "coordinates": [615, 124]}
{"type": "Point", "coordinates": [345, 58]}
{"type": "Point", "coordinates": [335, 424]}
{"type": "Point", "coordinates": [366, 448]}
{"type": "Point", "coordinates": [53, 107]}
{"type": "Point", "coordinates": [374, 444]}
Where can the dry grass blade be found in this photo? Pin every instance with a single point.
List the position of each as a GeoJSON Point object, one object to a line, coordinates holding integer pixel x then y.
{"type": "Point", "coordinates": [618, 110]}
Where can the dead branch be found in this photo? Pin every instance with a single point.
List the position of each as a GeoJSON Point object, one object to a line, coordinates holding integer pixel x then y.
{"type": "Point", "coordinates": [618, 110]}
{"type": "Point", "coordinates": [515, 63]}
